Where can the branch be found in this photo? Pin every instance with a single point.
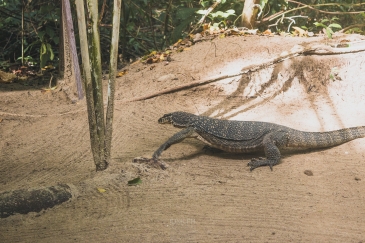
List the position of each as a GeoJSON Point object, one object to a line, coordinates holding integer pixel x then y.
{"type": "Point", "coordinates": [102, 12]}
{"type": "Point", "coordinates": [327, 12]}
{"type": "Point", "coordinates": [317, 5]}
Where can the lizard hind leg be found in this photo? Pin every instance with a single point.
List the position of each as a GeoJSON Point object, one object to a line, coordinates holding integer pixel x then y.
{"type": "Point", "coordinates": [270, 142]}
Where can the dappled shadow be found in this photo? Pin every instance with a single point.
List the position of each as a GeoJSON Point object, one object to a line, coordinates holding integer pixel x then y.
{"type": "Point", "coordinates": [237, 102]}
{"type": "Point", "coordinates": [312, 73]}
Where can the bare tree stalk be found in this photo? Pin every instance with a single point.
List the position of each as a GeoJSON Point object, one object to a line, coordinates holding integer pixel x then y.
{"type": "Point", "coordinates": [167, 17]}
{"type": "Point", "coordinates": [23, 33]}
{"type": "Point", "coordinates": [88, 83]}
{"type": "Point", "coordinates": [96, 78]}
{"type": "Point", "coordinates": [72, 42]}
{"type": "Point", "coordinates": [102, 12]}
{"type": "Point", "coordinates": [112, 77]}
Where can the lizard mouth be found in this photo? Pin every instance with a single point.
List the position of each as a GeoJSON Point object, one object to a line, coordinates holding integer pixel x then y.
{"type": "Point", "coordinates": [167, 118]}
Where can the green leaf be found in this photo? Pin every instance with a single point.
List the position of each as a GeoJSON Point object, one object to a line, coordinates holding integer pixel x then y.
{"type": "Point", "coordinates": [202, 11]}
{"type": "Point", "coordinates": [224, 15]}
{"type": "Point", "coordinates": [216, 14]}
{"type": "Point", "coordinates": [50, 31]}
{"type": "Point", "coordinates": [44, 58]}
{"type": "Point", "coordinates": [49, 49]}
{"type": "Point", "coordinates": [230, 11]}
{"type": "Point", "coordinates": [204, 3]}
{"type": "Point", "coordinates": [44, 55]}
{"type": "Point", "coordinates": [41, 35]}
{"type": "Point", "coordinates": [319, 25]}
{"type": "Point", "coordinates": [329, 33]}
{"type": "Point", "coordinates": [135, 181]}
{"type": "Point", "coordinates": [263, 3]}
{"type": "Point", "coordinates": [43, 49]}
{"type": "Point", "coordinates": [186, 15]}
{"type": "Point", "coordinates": [56, 39]}
{"type": "Point", "coordinates": [227, 14]}
{"type": "Point", "coordinates": [31, 45]}
{"type": "Point", "coordinates": [337, 26]}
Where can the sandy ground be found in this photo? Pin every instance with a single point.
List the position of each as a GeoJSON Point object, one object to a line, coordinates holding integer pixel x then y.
{"type": "Point", "coordinates": [202, 196]}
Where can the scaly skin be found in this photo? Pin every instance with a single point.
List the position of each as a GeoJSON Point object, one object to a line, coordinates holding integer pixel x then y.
{"type": "Point", "coordinates": [249, 136]}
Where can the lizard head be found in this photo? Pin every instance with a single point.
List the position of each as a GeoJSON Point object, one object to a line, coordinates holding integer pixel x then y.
{"type": "Point", "coordinates": [178, 118]}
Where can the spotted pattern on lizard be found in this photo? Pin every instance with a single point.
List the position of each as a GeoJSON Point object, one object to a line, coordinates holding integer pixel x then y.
{"type": "Point", "coordinates": [249, 136]}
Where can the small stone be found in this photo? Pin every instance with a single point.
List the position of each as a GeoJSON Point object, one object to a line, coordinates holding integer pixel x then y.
{"type": "Point", "coordinates": [308, 172]}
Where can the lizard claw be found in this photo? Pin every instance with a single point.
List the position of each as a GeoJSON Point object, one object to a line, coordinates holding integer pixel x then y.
{"type": "Point", "coordinates": [254, 163]}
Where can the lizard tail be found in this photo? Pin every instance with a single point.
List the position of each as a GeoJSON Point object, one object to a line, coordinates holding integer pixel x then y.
{"type": "Point", "coordinates": [325, 139]}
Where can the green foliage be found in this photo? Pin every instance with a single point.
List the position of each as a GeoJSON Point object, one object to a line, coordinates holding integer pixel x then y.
{"type": "Point", "coordinates": [183, 17]}
{"type": "Point", "coordinates": [306, 13]}
{"type": "Point", "coordinates": [46, 54]}
{"type": "Point", "coordinates": [218, 17]}
{"type": "Point", "coordinates": [274, 6]}
{"type": "Point", "coordinates": [328, 28]}
{"type": "Point", "coordinates": [41, 28]}
{"type": "Point", "coordinates": [28, 61]}
{"type": "Point", "coordinates": [148, 25]}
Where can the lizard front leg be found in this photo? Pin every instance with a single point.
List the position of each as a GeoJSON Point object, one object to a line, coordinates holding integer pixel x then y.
{"type": "Point", "coordinates": [176, 138]}
{"type": "Point", "coordinates": [271, 142]}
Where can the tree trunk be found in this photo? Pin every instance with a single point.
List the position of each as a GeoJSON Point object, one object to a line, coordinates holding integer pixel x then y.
{"type": "Point", "coordinates": [112, 75]}
{"type": "Point", "coordinates": [249, 13]}
{"type": "Point", "coordinates": [70, 65]}
{"type": "Point", "coordinates": [100, 131]}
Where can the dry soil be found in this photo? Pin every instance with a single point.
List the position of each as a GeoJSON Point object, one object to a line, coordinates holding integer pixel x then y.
{"type": "Point", "coordinates": [311, 196]}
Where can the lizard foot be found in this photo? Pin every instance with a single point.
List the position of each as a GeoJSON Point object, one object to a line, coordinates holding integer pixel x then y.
{"type": "Point", "coordinates": [254, 163]}
{"type": "Point", "coordinates": [156, 163]}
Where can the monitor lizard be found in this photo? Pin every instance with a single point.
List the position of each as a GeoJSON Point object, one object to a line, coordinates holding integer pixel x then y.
{"type": "Point", "coordinates": [250, 136]}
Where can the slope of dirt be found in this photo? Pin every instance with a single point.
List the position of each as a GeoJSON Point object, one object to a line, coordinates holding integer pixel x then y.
{"type": "Point", "coordinates": [201, 197]}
